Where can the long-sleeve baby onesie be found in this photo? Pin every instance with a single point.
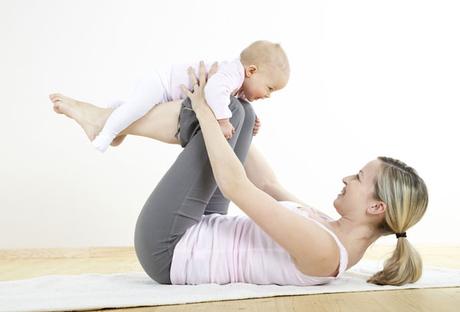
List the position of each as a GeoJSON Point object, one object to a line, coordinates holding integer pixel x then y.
{"type": "Point", "coordinates": [163, 85]}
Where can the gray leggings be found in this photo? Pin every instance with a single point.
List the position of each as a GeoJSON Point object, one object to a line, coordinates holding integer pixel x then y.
{"type": "Point", "coordinates": [187, 191]}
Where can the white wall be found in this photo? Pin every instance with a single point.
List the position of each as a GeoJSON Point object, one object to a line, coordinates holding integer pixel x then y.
{"type": "Point", "coordinates": [369, 78]}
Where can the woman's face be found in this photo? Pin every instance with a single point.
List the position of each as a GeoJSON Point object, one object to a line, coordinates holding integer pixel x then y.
{"type": "Point", "coordinates": [357, 196]}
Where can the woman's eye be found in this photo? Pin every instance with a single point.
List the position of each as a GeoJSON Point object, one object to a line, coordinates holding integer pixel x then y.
{"type": "Point", "coordinates": [357, 176]}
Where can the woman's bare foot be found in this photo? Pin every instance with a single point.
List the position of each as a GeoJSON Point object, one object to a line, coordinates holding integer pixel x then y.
{"type": "Point", "coordinates": [118, 140]}
{"type": "Point", "coordinates": [90, 117]}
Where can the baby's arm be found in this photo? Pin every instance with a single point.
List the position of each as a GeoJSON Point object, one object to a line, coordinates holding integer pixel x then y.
{"type": "Point", "coordinates": [255, 130]}
{"type": "Point", "coordinates": [226, 127]}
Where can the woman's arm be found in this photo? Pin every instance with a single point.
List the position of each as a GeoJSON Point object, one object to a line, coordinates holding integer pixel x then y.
{"type": "Point", "coordinates": [261, 174]}
{"type": "Point", "coordinates": [293, 232]}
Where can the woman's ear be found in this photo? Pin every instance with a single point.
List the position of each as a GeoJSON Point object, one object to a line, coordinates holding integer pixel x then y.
{"type": "Point", "coordinates": [377, 207]}
{"type": "Point", "coordinates": [250, 70]}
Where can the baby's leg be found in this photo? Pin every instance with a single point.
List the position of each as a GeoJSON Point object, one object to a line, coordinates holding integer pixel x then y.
{"type": "Point", "coordinates": [148, 92]}
{"type": "Point", "coordinates": [114, 104]}
{"type": "Point", "coordinates": [160, 123]}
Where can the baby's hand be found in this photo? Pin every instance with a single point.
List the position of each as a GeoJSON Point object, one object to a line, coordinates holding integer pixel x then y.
{"type": "Point", "coordinates": [256, 126]}
{"type": "Point", "coordinates": [227, 127]}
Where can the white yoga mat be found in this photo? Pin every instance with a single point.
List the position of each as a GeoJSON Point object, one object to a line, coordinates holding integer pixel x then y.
{"type": "Point", "coordinates": [131, 289]}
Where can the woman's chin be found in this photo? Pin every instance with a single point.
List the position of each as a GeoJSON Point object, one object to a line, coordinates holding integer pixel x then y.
{"type": "Point", "coordinates": [335, 203]}
{"type": "Point", "coordinates": [337, 207]}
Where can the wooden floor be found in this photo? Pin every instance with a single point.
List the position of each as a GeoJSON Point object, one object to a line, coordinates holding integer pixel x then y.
{"type": "Point", "coordinates": [19, 264]}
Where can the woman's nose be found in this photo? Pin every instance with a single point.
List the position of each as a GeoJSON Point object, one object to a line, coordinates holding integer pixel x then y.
{"type": "Point", "coordinates": [346, 179]}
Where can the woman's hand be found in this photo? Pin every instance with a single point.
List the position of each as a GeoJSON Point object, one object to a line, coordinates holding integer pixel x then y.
{"type": "Point", "coordinates": [197, 97]}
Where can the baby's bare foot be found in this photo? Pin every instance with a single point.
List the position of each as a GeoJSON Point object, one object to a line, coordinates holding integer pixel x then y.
{"type": "Point", "coordinates": [91, 118]}
{"type": "Point", "coordinates": [61, 104]}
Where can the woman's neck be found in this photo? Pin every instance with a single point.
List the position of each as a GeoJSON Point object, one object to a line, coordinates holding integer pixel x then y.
{"type": "Point", "coordinates": [360, 235]}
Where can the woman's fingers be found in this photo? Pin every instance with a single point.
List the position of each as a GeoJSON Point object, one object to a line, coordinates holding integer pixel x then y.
{"type": "Point", "coordinates": [192, 77]}
{"type": "Point", "coordinates": [185, 91]}
{"type": "Point", "coordinates": [201, 81]}
{"type": "Point", "coordinates": [202, 73]}
{"type": "Point", "coordinates": [213, 69]}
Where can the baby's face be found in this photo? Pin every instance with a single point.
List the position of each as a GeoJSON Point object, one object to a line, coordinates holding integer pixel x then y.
{"type": "Point", "coordinates": [260, 85]}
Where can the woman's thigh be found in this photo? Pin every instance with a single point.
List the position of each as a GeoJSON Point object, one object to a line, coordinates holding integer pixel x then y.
{"type": "Point", "coordinates": [160, 123]}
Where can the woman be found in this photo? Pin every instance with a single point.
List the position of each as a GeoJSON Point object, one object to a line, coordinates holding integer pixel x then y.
{"type": "Point", "coordinates": [183, 235]}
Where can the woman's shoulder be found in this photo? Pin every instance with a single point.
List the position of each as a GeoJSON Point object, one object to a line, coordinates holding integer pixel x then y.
{"type": "Point", "coordinates": [332, 260]}
{"type": "Point", "coordinates": [309, 211]}
{"type": "Point", "coordinates": [331, 243]}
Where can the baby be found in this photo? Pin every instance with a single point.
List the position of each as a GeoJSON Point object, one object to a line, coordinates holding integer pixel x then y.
{"type": "Point", "coordinates": [261, 69]}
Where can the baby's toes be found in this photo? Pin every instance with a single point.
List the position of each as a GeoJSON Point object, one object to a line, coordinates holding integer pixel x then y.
{"type": "Point", "coordinates": [56, 96]}
{"type": "Point", "coordinates": [57, 107]}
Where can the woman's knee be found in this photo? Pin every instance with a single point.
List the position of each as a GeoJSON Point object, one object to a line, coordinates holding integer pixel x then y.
{"type": "Point", "coordinates": [189, 125]}
{"type": "Point", "coordinates": [237, 109]}
{"type": "Point", "coordinates": [249, 113]}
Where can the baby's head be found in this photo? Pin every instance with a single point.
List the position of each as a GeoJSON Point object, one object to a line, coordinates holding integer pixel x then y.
{"type": "Point", "coordinates": [266, 69]}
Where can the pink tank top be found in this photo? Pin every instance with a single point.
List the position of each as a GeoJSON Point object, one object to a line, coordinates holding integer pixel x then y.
{"type": "Point", "coordinates": [226, 249]}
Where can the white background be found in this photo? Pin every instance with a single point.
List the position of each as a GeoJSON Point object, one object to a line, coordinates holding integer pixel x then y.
{"type": "Point", "coordinates": [368, 78]}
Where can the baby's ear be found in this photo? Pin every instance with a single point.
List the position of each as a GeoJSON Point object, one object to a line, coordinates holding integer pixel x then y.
{"type": "Point", "coordinates": [250, 70]}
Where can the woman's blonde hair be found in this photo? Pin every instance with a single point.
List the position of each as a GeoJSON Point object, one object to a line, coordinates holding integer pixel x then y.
{"type": "Point", "coordinates": [406, 197]}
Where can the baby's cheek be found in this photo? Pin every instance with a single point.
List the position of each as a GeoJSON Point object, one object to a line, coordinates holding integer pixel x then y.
{"type": "Point", "coordinates": [247, 90]}
{"type": "Point", "coordinates": [250, 93]}
{"type": "Point", "coordinates": [260, 93]}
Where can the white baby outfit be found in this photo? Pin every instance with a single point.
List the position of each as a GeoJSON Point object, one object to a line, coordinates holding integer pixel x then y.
{"type": "Point", "coordinates": [163, 85]}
